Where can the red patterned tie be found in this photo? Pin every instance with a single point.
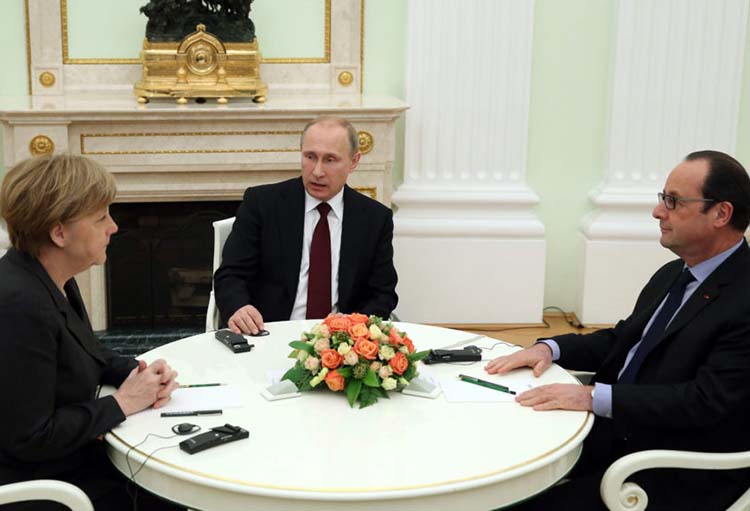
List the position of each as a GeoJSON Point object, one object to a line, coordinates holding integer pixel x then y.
{"type": "Point", "coordinates": [319, 276]}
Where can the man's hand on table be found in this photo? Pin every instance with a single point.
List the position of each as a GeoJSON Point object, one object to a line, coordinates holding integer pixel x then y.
{"type": "Point", "coordinates": [246, 320]}
{"type": "Point", "coordinates": [558, 396]}
{"type": "Point", "coordinates": [538, 357]}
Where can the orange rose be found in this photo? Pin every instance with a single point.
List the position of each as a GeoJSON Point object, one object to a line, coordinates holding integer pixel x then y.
{"type": "Point", "coordinates": [395, 336]}
{"type": "Point", "coordinates": [399, 363]}
{"type": "Point", "coordinates": [331, 358]}
{"type": "Point", "coordinates": [359, 331]}
{"type": "Point", "coordinates": [408, 343]}
{"type": "Point", "coordinates": [366, 349]}
{"type": "Point", "coordinates": [335, 381]}
{"type": "Point", "coordinates": [356, 317]}
{"type": "Point", "coordinates": [337, 323]}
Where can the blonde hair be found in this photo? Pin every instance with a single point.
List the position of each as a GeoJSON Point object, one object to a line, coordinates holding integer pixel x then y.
{"type": "Point", "coordinates": [39, 192]}
{"type": "Point", "coordinates": [352, 137]}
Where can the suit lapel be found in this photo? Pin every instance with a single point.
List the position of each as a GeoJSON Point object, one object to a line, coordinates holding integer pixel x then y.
{"type": "Point", "coordinates": [77, 322]}
{"type": "Point", "coordinates": [352, 233]}
{"type": "Point", "coordinates": [77, 325]}
{"type": "Point", "coordinates": [706, 293]}
{"type": "Point", "coordinates": [291, 212]}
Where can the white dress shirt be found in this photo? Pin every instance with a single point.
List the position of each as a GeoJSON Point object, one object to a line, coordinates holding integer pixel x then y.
{"type": "Point", "coordinates": [335, 219]}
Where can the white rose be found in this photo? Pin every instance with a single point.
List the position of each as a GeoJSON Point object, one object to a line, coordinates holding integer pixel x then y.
{"type": "Point", "coordinates": [344, 348]}
{"type": "Point", "coordinates": [386, 352]}
{"type": "Point", "coordinates": [375, 366]}
{"type": "Point", "coordinates": [312, 364]}
{"type": "Point", "coordinates": [302, 355]}
{"type": "Point", "coordinates": [389, 383]}
{"type": "Point", "coordinates": [351, 358]}
{"type": "Point", "coordinates": [385, 372]}
{"type": "Point", "coordinates": [322, 344]}
{"type": "Point", "coordinates": [321, 330]}
{"type": "Point", "coordinates": [404, 349]}
{"type": "Point", "coordinates": [375, 332]}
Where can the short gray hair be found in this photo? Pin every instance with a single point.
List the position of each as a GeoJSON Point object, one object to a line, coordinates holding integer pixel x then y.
{"type": "Point", "coordinates": [351, 132]}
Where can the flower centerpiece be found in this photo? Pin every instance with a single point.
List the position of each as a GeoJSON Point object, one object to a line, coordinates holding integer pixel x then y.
{"type": "Point", "coordinates": [364, 356]}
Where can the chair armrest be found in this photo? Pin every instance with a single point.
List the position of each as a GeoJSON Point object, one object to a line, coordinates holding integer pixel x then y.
{"type": "Point", "coordinates": [46, 489]}
{"type": "Point", "coordinates": [621, 496]}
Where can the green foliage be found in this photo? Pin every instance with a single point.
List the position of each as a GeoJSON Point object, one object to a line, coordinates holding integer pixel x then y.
{"type": "Point", "coordinates": [375, 320]}
{"type": "Point", "coordinates": [371, 379]}
{"type": "Point", "coordinates": [410, 372]}
{"type": "Point", "coordinates": [303, 346]}
{"type": "Point", "coordinates": [299, 376]}
{"type": "Point", "coordinates": [369, 396]}
{"type": "Point", "coordinates": [353, 391]}
{"type": "Point", "coordinates": [417, 356]}
{"type": "Point", "coordinates": [346, 372]}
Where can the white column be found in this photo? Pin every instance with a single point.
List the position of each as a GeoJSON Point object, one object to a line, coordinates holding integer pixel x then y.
{"type": "Point", "coordinates": [676, 84]}
{"type": "Point", "coordinates": [468, 247]}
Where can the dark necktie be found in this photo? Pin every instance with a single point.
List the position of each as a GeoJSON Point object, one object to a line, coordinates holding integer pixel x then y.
{"type": "Point", "coordinates": [319, 275]}
{"type": "Point", "coordinates": [654, 334]}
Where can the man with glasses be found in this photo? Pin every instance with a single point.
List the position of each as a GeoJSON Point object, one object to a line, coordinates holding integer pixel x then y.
{"type": "Point", "coordinates": [676, 373]}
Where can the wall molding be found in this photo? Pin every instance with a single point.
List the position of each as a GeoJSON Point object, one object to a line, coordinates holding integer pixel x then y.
{"type": "Point", "coordinates": [675, 88]}
{"type": "Point", "coordinates": [465, 211]}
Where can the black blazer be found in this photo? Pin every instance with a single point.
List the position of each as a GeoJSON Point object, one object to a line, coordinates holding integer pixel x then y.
{"type": "Point", "coordinates": [692, 391]}
{"type": "Point", "coordinates": [52, 365]}
{"type": "Point", "coordinates": [262, 255]}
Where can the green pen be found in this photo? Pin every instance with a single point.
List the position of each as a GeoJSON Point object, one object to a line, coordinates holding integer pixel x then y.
{"type": "Point", "coordinates": [195, 385]}
{"type": "Point", "coordinates": [488, 384]}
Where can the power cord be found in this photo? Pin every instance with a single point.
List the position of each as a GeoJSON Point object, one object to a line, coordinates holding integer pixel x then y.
{"type": "Point", "coordinates": [132, 488]}
{"type": "Point", "coordinates": [571, 320]}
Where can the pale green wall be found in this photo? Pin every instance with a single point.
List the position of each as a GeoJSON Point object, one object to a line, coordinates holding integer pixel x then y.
{"type": "Point", "coordinates": [13, 77]}
{"type": "Point", "coordinates": [572, 51]}
{"type": "Point", "coordinates": [573, 44]}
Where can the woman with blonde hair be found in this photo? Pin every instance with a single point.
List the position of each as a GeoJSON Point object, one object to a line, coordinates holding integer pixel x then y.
{"type": "Point", "coordinates": [56, 209]}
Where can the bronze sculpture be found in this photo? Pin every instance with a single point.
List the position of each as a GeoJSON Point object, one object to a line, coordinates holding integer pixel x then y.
{"type": "Point", "coordinates": [172, 20]}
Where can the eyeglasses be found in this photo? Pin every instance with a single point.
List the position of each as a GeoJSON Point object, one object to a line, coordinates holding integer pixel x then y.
{"type": "Point", "coordinates": [670, 201]}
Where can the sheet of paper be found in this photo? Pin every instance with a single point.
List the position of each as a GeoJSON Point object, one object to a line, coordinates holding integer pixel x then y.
{"type": "Point", "coordinates": [204, 398]}
{"type": "Point", "coordinates": [458, 391]}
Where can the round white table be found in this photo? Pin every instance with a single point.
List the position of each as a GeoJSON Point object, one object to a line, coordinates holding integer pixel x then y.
{"type": "Point", "coordinates": [314, 452]}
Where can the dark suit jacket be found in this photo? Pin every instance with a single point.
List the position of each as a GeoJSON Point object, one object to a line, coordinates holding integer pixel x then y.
{"type": "Point", "coordinates": [692, 391]}
{"type": "Point", "coordinates": [262, 255]}
{"type": "Point", "coordinates": [51, 367]}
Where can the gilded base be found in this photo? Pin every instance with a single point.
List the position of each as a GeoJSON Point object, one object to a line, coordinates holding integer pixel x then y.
{"type": "Point", "coordinates": [200, 66]}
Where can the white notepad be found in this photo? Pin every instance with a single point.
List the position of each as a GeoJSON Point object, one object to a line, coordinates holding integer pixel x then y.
{"type": "Point", "coordinates": [457, 391]}
{"type": "Point", "coordinates": [204, 398]}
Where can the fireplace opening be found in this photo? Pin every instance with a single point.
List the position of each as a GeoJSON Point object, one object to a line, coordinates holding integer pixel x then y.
{"type": "Point", "coordinates": [159, 271]}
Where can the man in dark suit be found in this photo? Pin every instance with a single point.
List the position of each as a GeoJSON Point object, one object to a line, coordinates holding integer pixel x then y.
{"type": "Point", "coordinates": [676, 373]}
{"type": "Point", "coordinates": [311, 245]}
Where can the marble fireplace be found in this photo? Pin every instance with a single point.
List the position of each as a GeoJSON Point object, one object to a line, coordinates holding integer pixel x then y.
{"type": "Point", "coordinates": [163, 152]}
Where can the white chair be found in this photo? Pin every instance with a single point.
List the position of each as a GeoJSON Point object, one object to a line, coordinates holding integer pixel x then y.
{"type": "Point", "coordinates": [222, 228]}
{"type": "Point", "coordinates": [621, 496]}
{"type": "Point", "coordinates": [46, 489]}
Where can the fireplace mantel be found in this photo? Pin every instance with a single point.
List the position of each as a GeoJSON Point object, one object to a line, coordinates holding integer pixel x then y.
{"type": "Point", "coordinates": [162, 151]}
